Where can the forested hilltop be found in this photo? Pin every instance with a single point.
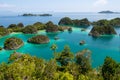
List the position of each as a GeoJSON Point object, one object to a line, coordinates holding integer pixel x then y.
{"type": "Point", "coordinates": [64, 66]}
{"type": "Point", "coordinates": [101, 27]}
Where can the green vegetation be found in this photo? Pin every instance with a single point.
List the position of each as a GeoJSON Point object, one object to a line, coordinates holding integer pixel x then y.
{"type": "Point", "coordinates": [101, 27]}
{"type": "Point", "coordinates": [39, 26]}
{"type": "Point", "coordinates": [20, 25]}
{"type": "Point", "coordinates": [65, 56]}
{"type": "Point", "coordinates": [114, 22]}
{"type": "Point", "coordinates": [102, 30]}
{"type": "Point", "coordinates": [110, 69]}
{"type": "Point", "coordinates": [83, 22]}
{"type": "Point", "coordinates": [64, 66]}
{"type": "Point", "coordinates": [30, 29]}
{"type": "Point", "coordinates": [13, 43]}
{"type": "Point", "coordinates": [15, 28]}
{"type": "Point", "coordinates": [53, 47]}
{"type": "Point", "coordinates": [80, 23]}
{"type": "Point", "coordinates": [3, 31]}
{"type": "Point", "coordinates": [50, 27]}
{"type": "Point", "coordinates": [66, 21]}
{"type": "Point", "coordinates": [39, 39]}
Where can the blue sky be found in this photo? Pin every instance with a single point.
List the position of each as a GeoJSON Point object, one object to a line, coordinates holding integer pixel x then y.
{"type": "Point", "coordinates": [59, 5]}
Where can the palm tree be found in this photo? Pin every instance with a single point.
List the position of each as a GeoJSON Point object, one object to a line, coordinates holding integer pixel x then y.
{"type": "Point", "coordinates": [53, 47]}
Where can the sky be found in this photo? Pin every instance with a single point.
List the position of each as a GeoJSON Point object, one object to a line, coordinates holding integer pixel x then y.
{"type": "Point", "coordinates": [59, 5]}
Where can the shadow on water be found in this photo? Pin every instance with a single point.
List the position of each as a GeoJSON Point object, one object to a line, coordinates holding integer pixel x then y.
{"type": "Point", "coordinates": [104, 38]}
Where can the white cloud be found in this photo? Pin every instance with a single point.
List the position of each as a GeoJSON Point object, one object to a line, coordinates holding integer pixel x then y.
{"type": "Point", "coordinates": [100, 2]}
{"type": "Point", "coordinates": [6, 5]}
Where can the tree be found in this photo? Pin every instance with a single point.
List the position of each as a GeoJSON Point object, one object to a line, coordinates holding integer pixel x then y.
{"type": "Point", "coordinates": [109, 68]}
{"type": "Point", "coordinates": [50, 70]}
{"type": "Point", "coordinates": [65, 56]}
{"type": "Point", "coordinates": [53, 47]}
{"type": "Point", "coordinates": [83, 60]}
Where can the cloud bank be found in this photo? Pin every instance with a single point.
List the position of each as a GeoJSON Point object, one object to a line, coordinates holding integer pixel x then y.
{"type": "Point", "coordinates": [100, 2]}
{"type": "Point", "coordinates": [6, 5]}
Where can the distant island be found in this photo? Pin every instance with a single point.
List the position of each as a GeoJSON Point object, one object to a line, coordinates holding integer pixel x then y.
{"type": "Point", "coordinates": [109, 12]}
{"type": "Point", "coordinates": [29, 14]}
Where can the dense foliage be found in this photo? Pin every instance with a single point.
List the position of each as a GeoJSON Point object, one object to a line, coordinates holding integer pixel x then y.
{"type": "Point", "coordinates": [101, 27]}
{"type": "Point", "coordinates": [39, 25]}
{"type": "Point", "coordinates": [64, 66]}
{"type": "Point", "coordinates": [3, 31]}
{"type": "Point", "coordinates": [114, 22]}
{"type": "Point", "coordinates": [15, 28]}
{"type": "Point", "coordinates": [102, 30]}
{"type": "Point", "coordinates": [81, 23]}
{"type": "Point", "coordinates": [39, 39]}
{"type": "Point", "coordinates": [110, 69]}
{"type": "Point", "coordinates": [29, 29]}
{"type": "Point", "coordinates": [13, 43]}
{"type": "Point", "coordinates": [50, 27]}
{"type": "Point", "coordinates": [65, 21]}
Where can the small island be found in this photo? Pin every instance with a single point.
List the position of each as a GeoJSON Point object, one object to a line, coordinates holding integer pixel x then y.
{"type": "Point", "coordinates": [39, 39]}
{"type": "Point", "coordinates": [4, 31]}
{"type": "Point", "coordinates": [29, 14]}
{"type": "Point", "coordinates": [109, 12]}
{"type": "Point", "coordinates": [113, 22]}
{"type": "Point", "coordinates": [76, 22]}
{"type": "Point", "coordinates": [29, 29]}
{"type": "Point", "coordinates": [13, 43]}
{"type": "Point", "coordinates": [50, 27]}
{"type": "Point", "coordinates": [102, 30]}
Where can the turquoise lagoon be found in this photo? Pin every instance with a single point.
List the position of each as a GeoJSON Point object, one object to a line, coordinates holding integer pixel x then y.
{"type": "Point", "coordinates": [101, 47]}
{"type": "Point", "coordinates": [107, 45]}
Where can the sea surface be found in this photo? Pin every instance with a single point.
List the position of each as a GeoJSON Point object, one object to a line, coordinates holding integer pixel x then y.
{"type": "Point", "coordinates": [106, 45]}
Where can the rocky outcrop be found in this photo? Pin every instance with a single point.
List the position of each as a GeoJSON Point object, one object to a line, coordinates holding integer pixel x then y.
{"type": "Point", "coordinates": [39, 39]}
{"type": "Point", "coordinates": [102, 30]}
{"type": "Point", "coordinates": [50, 27]}
{"type": "Point", "coordinates": [13, 43]}
{"type": "Point", "coordinates": [70, 29]}
{"type": "Point", "coordinates": [76, 22]}
{"type": "Point", "coordinates": [82, 42]}
{"type": "Point", "coordinates": [29, 30]}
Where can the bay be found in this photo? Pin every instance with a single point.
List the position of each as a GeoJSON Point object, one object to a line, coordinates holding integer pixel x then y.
{"type": "Point", "coordinates": [106, 45]}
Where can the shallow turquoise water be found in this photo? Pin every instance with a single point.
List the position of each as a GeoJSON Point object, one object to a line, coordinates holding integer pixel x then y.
{"type": "Point", "coordinates": [100, 47]}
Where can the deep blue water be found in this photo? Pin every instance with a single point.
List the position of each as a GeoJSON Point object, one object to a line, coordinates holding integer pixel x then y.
{"type": "Point", "coordinates": [101, 47]}
{"type": "Point", "coordinates": [7, 20]}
